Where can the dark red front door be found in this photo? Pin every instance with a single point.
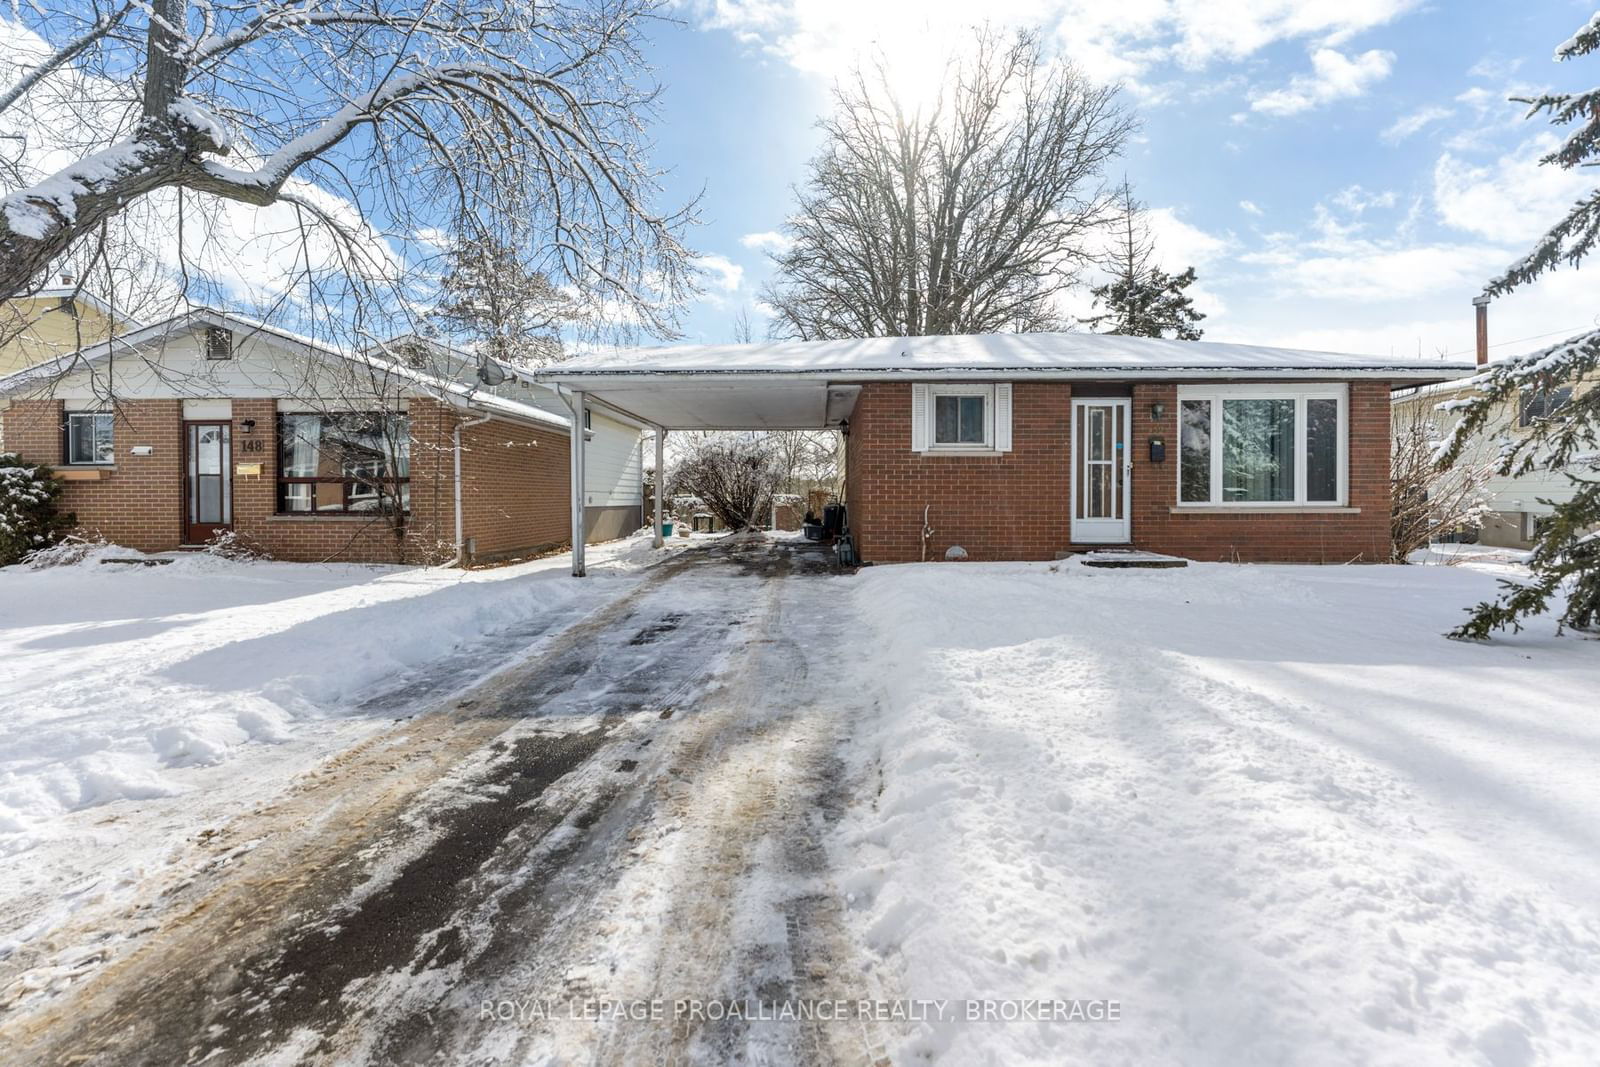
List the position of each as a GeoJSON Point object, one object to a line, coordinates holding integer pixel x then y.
{"type": "Point", "coordinates": [207, 480]}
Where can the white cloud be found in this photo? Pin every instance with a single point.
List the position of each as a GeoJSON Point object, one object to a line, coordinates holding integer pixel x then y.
{"type": "Point", "coordinates": [1406, 125]}
{"type": "Point", "coordinates": [1356, 200]}
{"type": "Point", "coordinates": [1512, 200]}
{"type": "Point", "coordinates": [1249, 208]}
{"type": "Point", "coordinates": [1111, 42]}
{"type": "Point", "coordinates": [768, 241]}
{"type": "Point", "coordinates": [721, 273]}
{"type": "Point", "coordinates": [1179, 244]}
{"type": "Point", "coordinates": [1372, 271]}
{"type": "Point", "coordinates": [1558, 305]}
{"type": "Point", "coordinates": [1334, 76]}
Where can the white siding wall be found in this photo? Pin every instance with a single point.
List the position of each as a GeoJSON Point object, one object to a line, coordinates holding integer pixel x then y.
{"type": "Point", "coordinates": [1505, 494]}
{"type": "Point", "coordinates": [612, 476]}
{"type": "Point", "coordinates": [260, 367]}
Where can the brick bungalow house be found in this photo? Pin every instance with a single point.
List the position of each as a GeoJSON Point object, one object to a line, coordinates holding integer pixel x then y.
{"type": "Point", "coordinates": [1026, 446]}
{"type": "Point", "coordinates": [208, 423]}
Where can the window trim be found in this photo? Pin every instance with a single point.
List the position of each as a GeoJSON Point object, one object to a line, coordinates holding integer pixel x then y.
{"type": "Point", "coordinates": [1216, 394]}
{"type": "Point", "coordinates": [985, 392]}
{"type": "Point", "coordinates": [1548, 394]}
{"type": "Point", "coordinates": [66, 439]}
{"type": "Point", "coordinates": [345, 511]}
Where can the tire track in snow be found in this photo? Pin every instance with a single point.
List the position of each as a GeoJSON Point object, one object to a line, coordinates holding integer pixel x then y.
{"type": "Point", "coordinates": [311, 849]}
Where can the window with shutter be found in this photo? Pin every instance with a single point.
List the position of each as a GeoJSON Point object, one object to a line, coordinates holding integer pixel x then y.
{"type": "Point", "coordinates": [961, 417]}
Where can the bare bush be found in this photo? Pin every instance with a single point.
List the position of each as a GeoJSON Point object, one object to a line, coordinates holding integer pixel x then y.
{"type": "Point", "coordinates": [734, 476]}
{"type": "Point", "coordinates": [1429, 502]}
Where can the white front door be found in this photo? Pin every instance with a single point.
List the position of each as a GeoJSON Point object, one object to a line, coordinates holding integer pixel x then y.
{"type": "Point", "coordinates": [1100, 466]}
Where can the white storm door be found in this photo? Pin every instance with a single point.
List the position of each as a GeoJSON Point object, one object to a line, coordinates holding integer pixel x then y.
{"type": "Point", "coordinates": [1100, 467]}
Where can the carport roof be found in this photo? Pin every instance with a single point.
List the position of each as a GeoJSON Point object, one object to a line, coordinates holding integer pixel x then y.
{"type": "Point", "coordinates": [806, 384]}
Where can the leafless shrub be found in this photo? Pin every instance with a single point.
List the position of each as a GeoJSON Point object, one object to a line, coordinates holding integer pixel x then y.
{"type": "Point", "coordinates": [733, 475]}
{"type": "Point", "coordinates": [1429, 502]}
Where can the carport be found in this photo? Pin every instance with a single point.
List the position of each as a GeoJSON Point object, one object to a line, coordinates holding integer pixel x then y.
{"type": "Point", "coordinates": [695, 396]}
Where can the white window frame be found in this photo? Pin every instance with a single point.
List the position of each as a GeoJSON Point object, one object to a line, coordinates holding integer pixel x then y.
{"type": "Point", "coordinates": [986, 393]}
{"type": "Point", "coordinates": [66, 444]}
{"type": "Point", "coordinates": [1216, 394]}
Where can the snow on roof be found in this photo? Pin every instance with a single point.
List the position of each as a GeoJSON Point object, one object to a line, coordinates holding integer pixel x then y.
{"type": "Point", "coordinates": [1042, 354]}
{"type": "Point", "coordinates": [443, 388]}
{"type": "Point", "coordinates": [80, 294]}
{"type": "Point", "coordinates": [1450, 388]}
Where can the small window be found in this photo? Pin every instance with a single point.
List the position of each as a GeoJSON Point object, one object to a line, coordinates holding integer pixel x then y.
{"type": "Point", "coordinates": [219, 343]}
{"type": "Point", "coordinates": [965, 417]}
{"type": "Point", "coordinates": [959, 420]}
{"type": "Point", "coordinates": [1540, 404]}
{"type": "Point", "coordinates": [89, 437]}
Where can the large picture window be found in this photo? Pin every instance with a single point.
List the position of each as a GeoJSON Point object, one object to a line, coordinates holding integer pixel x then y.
{"type": "Point", "coordinates": [344, 463]}
{"type": "Point", "coordinates": [89, 437]}
{"type": "Point", "coordinates": [1262, 446]}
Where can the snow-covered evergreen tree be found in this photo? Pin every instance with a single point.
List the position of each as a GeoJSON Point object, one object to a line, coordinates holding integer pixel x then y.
{"type": "Point", "coordinates": [29, 520]}
{"type": "Point", "coordinates": [1140, 299]}
{"type": "Point", "coordinates": [1568, 546]}
{"type": "Point", "coordinates": [509, 313]}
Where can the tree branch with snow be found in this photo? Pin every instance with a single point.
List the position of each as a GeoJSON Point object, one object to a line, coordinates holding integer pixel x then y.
{"type": "Point", "coordinates": [1566, 555]}
{"type": "Point", "coordinates": [478, 116]}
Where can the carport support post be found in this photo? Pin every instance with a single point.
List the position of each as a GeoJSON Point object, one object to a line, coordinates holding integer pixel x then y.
{"type": "Point", "coordinates": [579, 405]}
{"type": "Point", "coordinates": [661, 480]}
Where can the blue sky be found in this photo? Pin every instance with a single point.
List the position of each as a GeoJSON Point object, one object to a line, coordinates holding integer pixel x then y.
{"type": "Point", "coordinates": [1343, 174]}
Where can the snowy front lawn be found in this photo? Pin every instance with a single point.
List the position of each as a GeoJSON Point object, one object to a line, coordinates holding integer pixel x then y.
{"type": "Point", "coordinates": [1269, 810]}
{"type": "Point", "coordinates": [142, 705]}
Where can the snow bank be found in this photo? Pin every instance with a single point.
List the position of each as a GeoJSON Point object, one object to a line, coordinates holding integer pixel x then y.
{"type": "Point", "coordinates": [119, 678]}
{"type": "Point", "coordinates": [1269, 810]}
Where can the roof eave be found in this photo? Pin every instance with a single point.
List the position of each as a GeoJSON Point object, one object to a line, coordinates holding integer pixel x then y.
{"type": "Point", "coordinates": [584, 379]}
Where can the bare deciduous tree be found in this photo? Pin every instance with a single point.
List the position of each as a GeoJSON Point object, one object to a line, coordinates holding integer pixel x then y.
{"type": "Point", "coordinates": [511, 314]}
{"type": "Point", "coordinates": [1428, 502]}
{"type": "Point", "coordinates": [969, 214]}
{"type": "Point", "coordinates": [375, 119]}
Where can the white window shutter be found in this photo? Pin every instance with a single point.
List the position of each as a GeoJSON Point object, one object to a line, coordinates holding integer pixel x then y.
{"type": "Point", "coordinates": [1002, 417]}
{"type": "Point", "coordinates": [919, 418]}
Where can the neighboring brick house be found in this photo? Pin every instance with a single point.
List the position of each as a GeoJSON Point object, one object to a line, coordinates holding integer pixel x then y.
{"type": "Point", "coordinates": [209, 423]}
{"type": "Point", "coordinates": [1026, 446]}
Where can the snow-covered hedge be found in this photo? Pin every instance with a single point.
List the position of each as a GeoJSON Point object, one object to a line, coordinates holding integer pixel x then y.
{"type": "Point", "coordinates": [28, 517]}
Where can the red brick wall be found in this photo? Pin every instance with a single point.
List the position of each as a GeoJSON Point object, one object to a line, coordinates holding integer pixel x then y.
{"type": "Point", "coordinates": [1005, 506]}
{"type": "Point", "coordinates": [1015, 505]}
{"type": "Point", "coordinates": [514, 491]}
{"type": "Point", "coordinates": [140, 503]}
{"type": "Point", "coordinates": [1304, 537]}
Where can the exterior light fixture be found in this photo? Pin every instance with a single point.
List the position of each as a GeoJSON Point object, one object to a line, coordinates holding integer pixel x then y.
{"type": "Point", "coordinates": [1157, 410]}
{"type": "Point", "coordinates": [247, 425]}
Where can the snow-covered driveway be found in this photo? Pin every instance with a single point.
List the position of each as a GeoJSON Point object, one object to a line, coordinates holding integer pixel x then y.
{"type": "Point", "coordinates": [636, 812]}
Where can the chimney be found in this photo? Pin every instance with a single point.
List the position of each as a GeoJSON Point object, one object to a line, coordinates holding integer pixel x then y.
{"type": "Point", "coordinates": [1482, 304]}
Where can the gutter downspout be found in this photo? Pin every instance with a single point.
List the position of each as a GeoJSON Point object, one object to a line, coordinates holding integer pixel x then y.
{"type": "Point", "coordinates": [461, 545]}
